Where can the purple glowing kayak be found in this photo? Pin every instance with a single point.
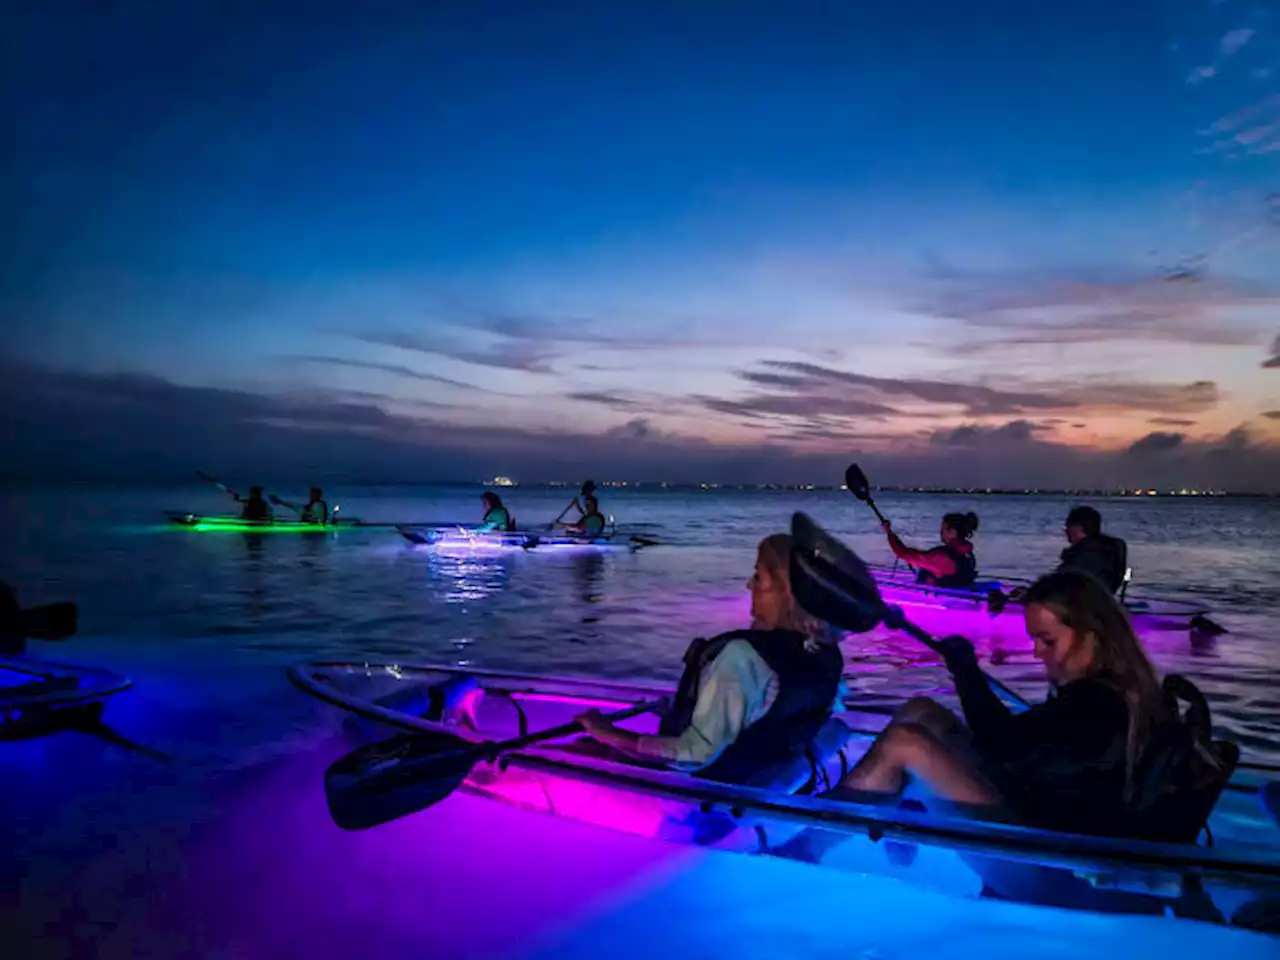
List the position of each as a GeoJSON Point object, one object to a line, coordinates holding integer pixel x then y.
{"type": "Point", "coordinates": [775, 815]}
{"type": "Point", "coordinates": [989, 599]}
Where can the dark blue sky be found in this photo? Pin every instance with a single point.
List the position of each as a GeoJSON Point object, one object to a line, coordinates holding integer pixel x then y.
{"type": "Point", "coordinates": [598, 223]}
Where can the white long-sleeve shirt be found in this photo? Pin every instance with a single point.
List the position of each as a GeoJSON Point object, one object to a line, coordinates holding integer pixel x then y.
{"type": "Point", "coordinates": [735, 690]}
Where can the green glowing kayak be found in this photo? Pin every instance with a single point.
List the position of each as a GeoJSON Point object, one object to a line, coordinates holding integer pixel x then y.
{"type": "Point", "coordinates": [225, 524]}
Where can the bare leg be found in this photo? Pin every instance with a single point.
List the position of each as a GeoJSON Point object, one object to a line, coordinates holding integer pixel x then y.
{"type": "Point", "coordinates": [910, 749]}
{"type": "Point", "coordinates": [934, 717]}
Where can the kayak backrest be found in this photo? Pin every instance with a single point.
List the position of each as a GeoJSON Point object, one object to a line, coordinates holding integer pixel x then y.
{"type": "Point", "coordinates": [1183, 770]}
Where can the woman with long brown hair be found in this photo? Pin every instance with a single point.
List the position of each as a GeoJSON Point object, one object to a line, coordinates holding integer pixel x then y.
{"type": "Point", "coordinates": [1067, 763]}
{"type": "Point", "coordinates": [747, 698]}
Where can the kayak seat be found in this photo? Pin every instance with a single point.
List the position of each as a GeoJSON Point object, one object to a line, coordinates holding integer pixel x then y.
{"type": "Point", "coordinates": [1183, 771]}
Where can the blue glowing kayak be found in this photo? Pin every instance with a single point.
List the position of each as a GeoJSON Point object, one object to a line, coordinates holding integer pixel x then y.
{"type": "Point", "coordinates": [1234, 880]}
{"type": "Point", "coordinates": [456, 538]}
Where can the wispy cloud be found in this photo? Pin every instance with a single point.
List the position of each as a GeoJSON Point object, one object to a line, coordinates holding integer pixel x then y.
{"type": "Point", "coordinates": [1253, 130]}
{"type": "Point", "coordinates": [1171, 422]}
{"type": "Point", "coordinates": [1201, 74]}
{"type": "Point", "coordinates": [523, 355]}
{"type": "Point", "coordinates": [1096, 307]}
{"type": "Point", "coordinates": [1272, 414]}
{"type": "Point", "coordinates": [394, 369]}
{"type": "Point", "coordinates": [606, 400]}
{"type": "Point", "coordinates": [1233, 41]}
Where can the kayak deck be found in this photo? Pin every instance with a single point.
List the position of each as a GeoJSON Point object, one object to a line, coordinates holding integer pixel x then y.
{"type": "Point", "coordinates": [949, 852]}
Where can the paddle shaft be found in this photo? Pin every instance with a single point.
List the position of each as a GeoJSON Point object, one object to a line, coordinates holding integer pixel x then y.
{"type": "Point", "coordinates": [217, 483]}
{"type": "Point", "coordinates": [573, 503]}
{"type": "Point", "coordinates": [492, 750]}
{"type": "Point", "coordinates": [897, 619]}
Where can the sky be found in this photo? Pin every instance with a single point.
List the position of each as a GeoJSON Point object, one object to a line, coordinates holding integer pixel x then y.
{"type": "Point", "coordinates": [972, 244]}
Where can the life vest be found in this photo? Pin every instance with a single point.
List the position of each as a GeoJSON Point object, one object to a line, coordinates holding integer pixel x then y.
{"type": "Point", "coordinates": [1106, 557]}
{"type": "Point", "coordinates": [593, 525]}
{"type": "Point", "coordinates": [317, 512]}
{"type": "Point", "coordinates": [966, 571]}
{"type": "Point", "coordinates": [506, 523]}
{"type": "Point", "coordinates": [808, 681]}
{"type": "Point", "coordinates": [1183, 771]}
{"type": "Point", "coordinates": [256, 509]}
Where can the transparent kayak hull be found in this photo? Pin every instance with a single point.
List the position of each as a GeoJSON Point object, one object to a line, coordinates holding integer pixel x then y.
{"type": "Point", "coordinates": [37, 695]}
{"type": "Point", "coordinates": [460, 539]}
{"type": "Point", "coordinates": [779, 815]}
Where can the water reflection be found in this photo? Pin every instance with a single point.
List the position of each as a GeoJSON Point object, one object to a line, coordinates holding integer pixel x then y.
{"type": "Point", "coordinates": [588, 569]}
{"type": "Point", "coordinates": [463, 578]}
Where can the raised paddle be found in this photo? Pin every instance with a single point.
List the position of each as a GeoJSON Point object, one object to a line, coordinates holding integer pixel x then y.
{"type": "Point", "coordinates": [832, 583]}
{"type": "Point", "coordinates": [217, 483]}
{"type": "Point", "coordinates": [409, 772]}
{"type": "Point", "coordinates": [856, 481]}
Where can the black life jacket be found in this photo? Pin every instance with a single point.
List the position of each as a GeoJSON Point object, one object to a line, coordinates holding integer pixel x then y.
{"type": "Point", "coordinates": [1183, 771]}
{"type": "Point", "coordinates": [256, 509]}
{"type": "Point", "coordinates": [965, 573]}
{"type": "Point", "coordinates": [808, 681]}
{"type": "Point", "coordinates": [1106, 557]}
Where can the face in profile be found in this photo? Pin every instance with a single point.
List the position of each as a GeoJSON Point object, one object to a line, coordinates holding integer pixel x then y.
{"type": "Point", "coordinates": [1066, 654]}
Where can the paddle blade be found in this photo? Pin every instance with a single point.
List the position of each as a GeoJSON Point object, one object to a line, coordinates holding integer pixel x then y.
{"type": "Point", "coordinates": [856, 481]}
{"type": "Point", "coordinates": [393, 778]}
{"type": "Point", "coordinates": [830, 581]}
{"type": "Point", "coordinates": [54, 621]}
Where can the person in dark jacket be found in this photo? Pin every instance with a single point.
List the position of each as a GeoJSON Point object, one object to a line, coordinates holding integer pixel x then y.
{"type": "Point", "coordinates": [1093, 551]}
{"type": "Point", "coordinates": [952, 564]}
{"type": "Point", "coordinates": [1065, 764]}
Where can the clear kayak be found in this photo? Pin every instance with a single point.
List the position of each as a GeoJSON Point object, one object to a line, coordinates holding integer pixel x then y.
{"type": "Point", "coordinates": [989, 598]}
{"type": "Point", "coordinates": [455, 538]}
{"type": "Point", "coordinates": [1235, 880]}
{"type": "Point", "coordinates": [203, 523]}
{"type": "Point", "coordinates": [37, 696]}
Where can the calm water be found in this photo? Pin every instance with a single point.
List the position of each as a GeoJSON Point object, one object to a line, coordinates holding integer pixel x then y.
{"type": "Point", "coordinates": [272, 600]}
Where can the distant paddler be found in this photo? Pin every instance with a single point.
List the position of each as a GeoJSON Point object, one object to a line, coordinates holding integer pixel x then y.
{"type": "Point", "coordinates": [315, 510]}
{"type": "Point", "coordinates": [952, 564]}
{"type": "Point", "coordinates": [496, 516]}
{"type": "Point", "coordinates": [590, 523]}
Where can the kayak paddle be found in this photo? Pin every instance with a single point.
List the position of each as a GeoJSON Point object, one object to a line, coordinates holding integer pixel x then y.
{"type": "Point", "coordinates": [856, 481]}
{"type": "Point", "coordinates": [393, 778]}
{"type": "Point", "coordinates": [832, 583]}
{"type": "Point", "coordinates": [217, 483]}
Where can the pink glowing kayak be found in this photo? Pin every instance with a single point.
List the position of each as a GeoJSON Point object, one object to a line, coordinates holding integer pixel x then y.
{"type": "Point", "coordinates": [777, 813]}
{"type": "Point", "coordinates": [988, 598]}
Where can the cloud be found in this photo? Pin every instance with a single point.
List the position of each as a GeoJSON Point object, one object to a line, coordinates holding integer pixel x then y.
{"type": "Point", "coordinates": [396, 370]}
{"type": "Point", "coordinates": [1254, 129]}
{"type": "Point", "coordinates": [1272, 414]}
{"type": "Point", "coordinates": [971, 435]}
{"type": "Point", "coordinates": [1234, 41]}
{"type": "Point", "coordinates": [605, 400]}
{"type": "Point", "coordinates": [1158, 442]}
{"type": "Point", "coordinates": [1171, 422]}
{"type": "Point", "coordinates": [1091, 307]}
{"type": "Point", "coordinates": [1273, 362]}
{"type": "Point", "coordinates": [76, 425]}
{"type": "Point", "coordinates": [1201, 74]}
{"type": "Point", "coordinates": [505, 355]}
{"type": "Point", "coordinates": [802, 388]}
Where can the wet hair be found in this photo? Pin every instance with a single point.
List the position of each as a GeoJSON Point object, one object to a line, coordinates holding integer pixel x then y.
{"type": "Point", "coordinates": [316, 490]}
{"type": "Point", "coordinates": [1083, 603]}
{"type": "Point", "coordinates": [964, 524]}
{"type": "Point", "coordinates": [774, 554]}
{"type": "Point", "coordinates": [1087, 519]}
{"type": "Point", "coordinates": [491, 500]}
{"type": "Point", "coordinates": [588, 487]}
{"type": "Point", "coordinates": [255, 491]}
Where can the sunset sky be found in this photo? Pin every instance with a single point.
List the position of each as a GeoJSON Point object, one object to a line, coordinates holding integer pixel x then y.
{"type": "Point", "coordinates": [983, 243]}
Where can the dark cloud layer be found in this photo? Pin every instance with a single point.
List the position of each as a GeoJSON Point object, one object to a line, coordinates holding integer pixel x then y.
{"type": "Point", "coordinates": [74, 425]}
{"type": "Point", "coordinates": [1158, 442]}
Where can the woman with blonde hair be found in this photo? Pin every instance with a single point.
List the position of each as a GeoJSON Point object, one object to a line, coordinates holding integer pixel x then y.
{"type": "Point", "coordinates": [748, 698]}
{"type": "Point", "coordinates": [1068, 763]}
